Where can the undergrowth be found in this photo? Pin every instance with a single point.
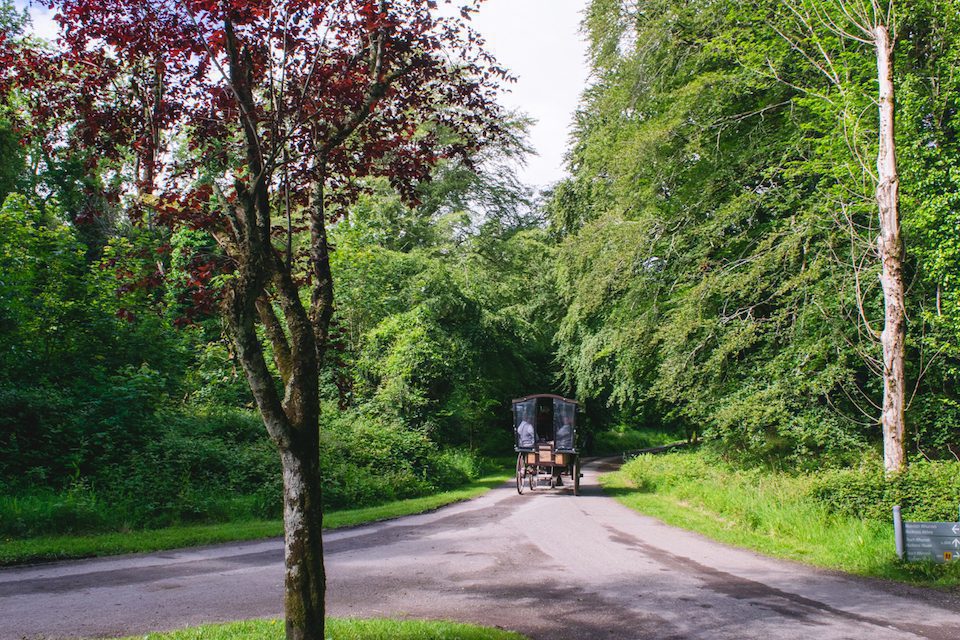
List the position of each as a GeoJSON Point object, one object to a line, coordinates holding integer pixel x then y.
{"type": "Point", "coordinates": [62, 547]}
{"type": "Point", "coordinates": [218, 467]}
{"type": "Point", "coordinates": [837, 519]}
{"type": "Point", "coordinates": [622, 438]}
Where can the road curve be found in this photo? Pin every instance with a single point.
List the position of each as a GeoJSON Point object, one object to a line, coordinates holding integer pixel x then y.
{"type": "Point", "coordinates": [546, 563]}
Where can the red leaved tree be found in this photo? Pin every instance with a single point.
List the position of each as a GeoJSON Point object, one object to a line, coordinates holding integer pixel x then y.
{"type": "Point", "coordinates": [256, 120]}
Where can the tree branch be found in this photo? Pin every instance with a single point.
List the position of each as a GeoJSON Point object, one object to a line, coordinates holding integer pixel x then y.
{"type": "Point", "coordinates": [278, 339]}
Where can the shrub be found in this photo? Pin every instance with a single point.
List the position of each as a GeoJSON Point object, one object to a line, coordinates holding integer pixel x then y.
{"type": "Point", "coordinates": [623, 438]}
{"type": "Point", "coordinates": [454, 467]}
{"type": "Point", "coordinates": [40, 437]}
{"type": "Point", "coordinates": [925, 491]}
{"type": "Point", "coordinates": [366, 461]}
{"type": "Point", "coordinates": [215, 464]}
{"type": "Point", "coordinates": [75, 510]}
{"type": "Point", "coordinates": [654, 472]}
{"type": "Point", "coordinates": [49, 435]}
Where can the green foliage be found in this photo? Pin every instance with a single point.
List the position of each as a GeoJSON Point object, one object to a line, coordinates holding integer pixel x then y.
{"type": "Point", "coordinates": [88, 364]}
{"type": "Point", "coordinates": [215, 379]}
{"type": "Point", "coordinates": [41, 289]}
{"type": "Point", "coordinates": [621, 439]}
{"type": "Point", "coordinates": [708, 270]}
{"type": "Point", "coordinates": [217, 465]}
{"type": "Point", "coordinates": [693, 276]}
{"type": "Point", "coordinates": [782, 513]}
{"type": "Point", "coordinates": [45, 512]}
{"type": "Point", "coordinates": [113, 417]}
{"type": "Point", "coordinates": [442, 323]}
{"type": "Point", "coordinates": [927, 490]}
{"type": "Point", "coordinates": [203, 466]}
{"type": "Point", "coordinates": [12, 162]}
{"type": "Point", "coordinates": [366, 462]}
{"type": "Point", "coordinates": [61, 547]}
{"type": "Point", "coordinates": [652, 473]}
{"type": "Point", "coordinates": [51, 435]}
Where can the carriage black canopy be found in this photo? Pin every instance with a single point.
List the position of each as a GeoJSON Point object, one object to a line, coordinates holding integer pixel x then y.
{"type": "Point", "coordinates": [544, 418]}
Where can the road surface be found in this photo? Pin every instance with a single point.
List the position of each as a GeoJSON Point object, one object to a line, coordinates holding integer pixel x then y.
{"type": "Point", "coordinates": [546, 563]}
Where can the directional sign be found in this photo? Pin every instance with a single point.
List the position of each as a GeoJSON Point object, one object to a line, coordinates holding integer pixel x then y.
{"type": "Point", "coordinates": [947, 544]}
{"type": "Point", "coordinates": [917, 555]}
{"type": "Point", "coordinates": [926, 541]}
{"type": "Point", "coordinates": [932, 528]}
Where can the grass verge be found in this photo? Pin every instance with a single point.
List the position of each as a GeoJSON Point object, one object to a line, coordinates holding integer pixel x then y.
{"type": "Point", "coordinates": [340, 629]}
{"type": "Point", "coordinates": [68, 547]}
{"type": "Point", "coordinates": [770, 512]}
{"type": "Point", "coordinates": [620, 439]}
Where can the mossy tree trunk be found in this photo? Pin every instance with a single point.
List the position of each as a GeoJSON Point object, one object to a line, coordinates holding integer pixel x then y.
{"type": "Point", "coordinates": [263, 290]}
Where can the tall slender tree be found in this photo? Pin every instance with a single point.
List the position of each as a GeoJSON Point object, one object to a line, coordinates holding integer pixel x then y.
{"type": "Point", "coordinates": [870, 23]}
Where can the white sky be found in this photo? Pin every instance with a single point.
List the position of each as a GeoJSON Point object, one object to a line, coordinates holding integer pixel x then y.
{"type": "Point", "coordinates": [539, 42]}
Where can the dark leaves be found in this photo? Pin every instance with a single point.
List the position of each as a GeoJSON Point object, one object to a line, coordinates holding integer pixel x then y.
{"type": "Point", "coordinates": [257, 97]}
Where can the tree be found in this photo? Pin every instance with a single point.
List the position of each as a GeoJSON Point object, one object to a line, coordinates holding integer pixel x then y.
{"type": "Point", "coordinates": [870, 23]}
{"type": "Point", "coordinates": [253, 120]}
{"type": "Point", "coordinates": [441, 311]}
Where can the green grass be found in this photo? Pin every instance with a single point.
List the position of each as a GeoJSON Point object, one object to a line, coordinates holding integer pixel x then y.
{"type": "Point", "coordinates": [619, 439]}
{"type": "Point", "coordinates": [409, 506]}
{"type": "Point", "coordinates": [66, 547]}
{"type": "Point", "coordinates": [770, 512]}
{"type": "Point", "coordinates": [339, 629]}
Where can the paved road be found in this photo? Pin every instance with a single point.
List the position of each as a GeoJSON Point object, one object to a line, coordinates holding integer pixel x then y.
{"type": "Point", "coordinates": [547, 564]}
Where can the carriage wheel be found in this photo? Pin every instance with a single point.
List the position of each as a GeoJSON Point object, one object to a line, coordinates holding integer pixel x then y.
{"type": "Point", "coordinates": [521, 468]}
{"type": "Point", "coordinates": [533, 477]}
{"type": "Point", "coordinates": [576, 476]}
{"type": "Point", "coordinates": [553, 481]}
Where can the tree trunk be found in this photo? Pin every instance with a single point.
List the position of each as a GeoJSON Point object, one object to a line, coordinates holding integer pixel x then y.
{"type": "Point", "coordinates": [305, 581]}
{"type": "Point", "coordinates": [890, 247]}
{"type": "Point", "coordinates": [293, 425]}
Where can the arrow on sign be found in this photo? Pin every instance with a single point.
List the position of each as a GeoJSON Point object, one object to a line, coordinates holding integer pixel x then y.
{"type": "Point", "coordinates": [955, 529]}
{"type": "Point", "coordinates": [956, 543]}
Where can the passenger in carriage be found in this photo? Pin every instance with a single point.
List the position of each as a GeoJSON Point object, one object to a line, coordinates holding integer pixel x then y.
{"type": "Point", "coordinates": [565, 433]}
{"type": "Point", "coordinates": [525, 433]}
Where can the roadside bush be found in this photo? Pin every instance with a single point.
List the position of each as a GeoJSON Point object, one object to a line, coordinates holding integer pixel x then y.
{"type": "Point", "coordinates": [925, 491]}
{"type": "Point", "coordinates": [622, 438]}
{"type": "Point", "coordinates": [366, 462]}
{"type": "Point", "coordinates": [50, 435]}
{"type": "Point", "coordinates": [40, 436]}
{"type": "Point", "coordinates": [208, 465]}
{"type": "Point", "coordinates": [45, 512]}
{"type": "Point", "coordinates": [652, 473]}
{"type": "Point", "coordinates": [757, 499]}
{"type": "Point", "coordinates": [348, 485]}
{"type": "Point", "coordinates": [454, 467]}
{"type": "Point", "coordinates": [216, 464]}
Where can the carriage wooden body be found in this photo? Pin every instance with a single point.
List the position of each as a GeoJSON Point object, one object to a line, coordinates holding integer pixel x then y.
{"type": "Point", "coordinates": [544, 430]}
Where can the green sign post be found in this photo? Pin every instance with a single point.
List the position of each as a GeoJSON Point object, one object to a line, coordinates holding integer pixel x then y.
{"type": "Point", "coordinates": [926, 541]}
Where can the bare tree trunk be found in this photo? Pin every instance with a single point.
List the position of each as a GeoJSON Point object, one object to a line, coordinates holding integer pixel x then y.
{"type": "Point", "coordinates": [890, 247]}
{"type": "Point", "coordinates": [292, 421]}
{"type": "Point", "coordinates": [305, 581]}
{"type": "Point", "coordinates": [293, 425]}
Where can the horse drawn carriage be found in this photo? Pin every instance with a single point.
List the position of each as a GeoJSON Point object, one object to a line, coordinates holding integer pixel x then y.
{"type": "Point", "coordinates": [544, 428]}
